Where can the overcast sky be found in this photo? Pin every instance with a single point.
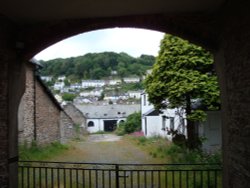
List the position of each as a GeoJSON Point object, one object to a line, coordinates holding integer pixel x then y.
{"type": "Point", "coordinates": [132, 41]}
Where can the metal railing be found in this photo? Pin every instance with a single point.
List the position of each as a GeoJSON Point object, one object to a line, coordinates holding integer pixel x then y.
{"type": "Point", "coordinates": [101, 175]}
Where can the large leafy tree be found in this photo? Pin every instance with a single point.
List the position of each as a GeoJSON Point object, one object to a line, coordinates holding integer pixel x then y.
{"type": "Point", "coordinates": [182, 77]}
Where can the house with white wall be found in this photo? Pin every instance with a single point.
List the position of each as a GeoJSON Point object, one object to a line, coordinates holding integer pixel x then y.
{"type": "Point", "coordinates": [114, 82]}
{"type": "Point", "coordinates": [134, 94]}
{"type": "Point", "coordinates": [159, 123]}
{"type": "Point", "coordinates": [93, 83]}
{"type": "Point", "coordinates": [59, 85]}
{"type": "Point", "coordinates": [131, 79]}
{"type": "Point", "coordinates": [106, 117]}
{"type": "Point", "coordinates": [155, 123]}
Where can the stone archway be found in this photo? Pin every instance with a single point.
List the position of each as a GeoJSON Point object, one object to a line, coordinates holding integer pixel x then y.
{"type": "Point", "coordinates": [224, 31]}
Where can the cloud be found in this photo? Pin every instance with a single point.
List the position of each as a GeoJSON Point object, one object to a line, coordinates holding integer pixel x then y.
{"type": "Point", "coordinates": [132, 41]}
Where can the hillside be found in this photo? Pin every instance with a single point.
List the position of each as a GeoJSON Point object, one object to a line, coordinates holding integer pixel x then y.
{"type": "Point", "coordinates": [98, 66]}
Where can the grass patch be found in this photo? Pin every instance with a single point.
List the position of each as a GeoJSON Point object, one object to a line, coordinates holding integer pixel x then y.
{"type": "Point", "coordinates": [35, 152]}
{"type": "Point", "coordinates": [159, 147]}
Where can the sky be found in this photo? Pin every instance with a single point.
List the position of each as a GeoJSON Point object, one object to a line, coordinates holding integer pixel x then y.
{"type": "Point", "coordinates": [131, 41]}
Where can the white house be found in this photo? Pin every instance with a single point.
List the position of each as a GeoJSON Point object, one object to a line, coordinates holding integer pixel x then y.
{"type": "Point", "coordinates": [93, 93]}
{"type": "Point", "coordinates": [46, 78]}
{"type": "Point", "coordinates": [59, 85]}
{"type": "Point", "coordinates": [61, 78]}
{"type": "Point", "coordinates": [134, 94]}
{"type": "Point", "coordinates": [93, 83]}
{"type": "Point", "coordinates": [114, 82]}
{"type": "Point", "coordinates": [131, 79]}
{"type": "Point", "coordinates": [106, 117]}
{"type": "Point", "coordinates": [155, 123]}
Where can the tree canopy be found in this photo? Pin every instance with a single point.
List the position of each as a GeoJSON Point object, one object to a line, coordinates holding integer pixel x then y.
{"type": "Point", "coordinates": [97, 65]}
{"type": "Point", "coordinates": [183, 76]}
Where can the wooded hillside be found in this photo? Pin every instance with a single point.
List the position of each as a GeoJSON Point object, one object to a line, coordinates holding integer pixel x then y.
{"type": "Point", "coordinates": [98, 65]}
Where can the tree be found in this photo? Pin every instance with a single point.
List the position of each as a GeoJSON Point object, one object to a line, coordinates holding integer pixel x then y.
{"type": "Point", "coordinates": [132, 124]}
{"type": "Point", "coordinates": [68, 96]}
{"type": "Point", "coordinates": [183, 75]}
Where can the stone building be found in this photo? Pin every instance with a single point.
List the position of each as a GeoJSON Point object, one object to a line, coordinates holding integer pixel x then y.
{"type": "Point", "coordinates": [40, 116]}
{"type": "Point", "coordinates": [76, 115]}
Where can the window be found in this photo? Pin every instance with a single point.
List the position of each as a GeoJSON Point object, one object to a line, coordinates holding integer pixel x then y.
{"type": "Point", "coordinates": [171, 123]}
{"type": "Point", "coordinates": [91, 124]}
{"type": "Point", "coordinates": [164, 122]}
{"type": "Point", "coordinates": [144, 100]}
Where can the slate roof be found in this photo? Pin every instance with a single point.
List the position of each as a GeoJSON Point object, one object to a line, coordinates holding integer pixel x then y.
{"type": "Point", "coordinates": [108, 111]}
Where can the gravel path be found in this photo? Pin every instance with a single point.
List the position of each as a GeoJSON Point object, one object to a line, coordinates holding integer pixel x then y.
{"type": "Point", "coordinates": [106, 148]}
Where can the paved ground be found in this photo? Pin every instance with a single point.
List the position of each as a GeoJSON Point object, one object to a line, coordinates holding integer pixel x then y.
{"type": "Point", "coordinates": [106, 148]}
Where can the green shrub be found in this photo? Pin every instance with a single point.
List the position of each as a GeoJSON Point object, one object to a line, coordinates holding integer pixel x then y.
{"type": "Point", "coordinates": [120, 130]}
{"type": "Point", "coordinates": [132, 124]}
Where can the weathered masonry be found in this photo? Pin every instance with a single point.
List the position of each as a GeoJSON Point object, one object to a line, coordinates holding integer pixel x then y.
{"type": "Point", "coordinates": [221, 26]}
{"type": "Point", "coordinates": [40, 117]}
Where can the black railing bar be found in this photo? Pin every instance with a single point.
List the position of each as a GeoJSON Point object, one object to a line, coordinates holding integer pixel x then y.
{"type": "Point", "coordinates": [67, 168]}
{"type": "Point", "coordinates": [154, 170]}
{"type": "Point", "coordinates": [125, 164]}
{"type": "Point", "coordinates": [182, 170]}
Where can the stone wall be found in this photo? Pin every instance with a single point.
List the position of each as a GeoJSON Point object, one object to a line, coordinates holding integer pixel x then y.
{"type": "Point", "coordinates": [77, 116]}
{"type": "Point", "coordinates": [68, 129]}
{"type": "Point", "coordinates": [40, 116]}
{"type": "Point", "coordinates": [26, 119]}
{"type": "Point", "coordinates": [47, 117]}
{"type": "Point", "coordinates": [233, 64]}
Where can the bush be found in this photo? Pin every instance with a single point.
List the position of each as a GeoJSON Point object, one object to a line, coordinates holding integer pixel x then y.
{"type": "Point", "coordinates": [179, 154]}
{"type": "Point", "coordinates": [132, 124]}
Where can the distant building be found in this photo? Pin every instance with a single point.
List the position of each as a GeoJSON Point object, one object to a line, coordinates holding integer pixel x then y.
{"type": "Point", "coordinates": [61, 78]}
{"type": "Point", "coordinates": [93, 93]}
{"type": "Point", "coordinates": [131, 79]}
{"type": "Point", "coordinates": [106, 117]}
{"type": "Point", "coordinates": [134, 94]}
{"type": "Point", "coordinates": [92, 83]}
{"type": "Point", "coordinates": [114, 82]}
{"type": "Point", "coordinates": [46, 78]}
{"type": "Point", "coordinates": [59, 85]}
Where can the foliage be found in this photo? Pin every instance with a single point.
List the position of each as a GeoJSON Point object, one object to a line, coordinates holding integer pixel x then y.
{"type": "Point", "coordinates": [97, 66]}
{"type": "Point", "coordinates": [182, 77]}
{"type": "Point", "coordinates": [179, 154]}
{"type": "Point", "coordinates": [132, 124]}
{"type": "Point", "coordinates": [182, 69]}
{"type": "Point", "coordinates": [68, 96]}
{"type": "Point", "coordinates": [35, 152]}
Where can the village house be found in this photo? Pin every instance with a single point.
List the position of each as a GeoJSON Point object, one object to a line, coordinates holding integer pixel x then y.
{"type": "Point", "coordinates": [40, 116]}
{"type": "Point", "coordinates": [59, 85]}
{"type": "Point", "coordinates": [93, 83]}
{"type": "Point", "coordinates": [134, 94]}
{"type": "Point", "coordinates": [160, 123]}
{"type": "Point", "coordinates": [106, 117]}
{"type": "Point", "coordinates": [131, 79]}
{"type": "Point", "coordinates": [46, 78]}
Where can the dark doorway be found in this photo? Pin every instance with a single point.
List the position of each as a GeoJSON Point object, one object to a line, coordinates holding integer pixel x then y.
{"type": "Point", "coordinates": [110, 125]}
